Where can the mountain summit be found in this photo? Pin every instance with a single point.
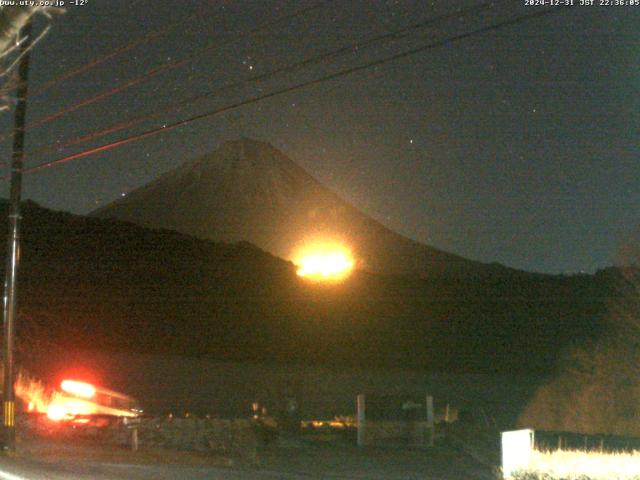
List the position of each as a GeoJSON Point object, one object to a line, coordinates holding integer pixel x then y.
{"type": "Point", "coordinates": [248, 190]}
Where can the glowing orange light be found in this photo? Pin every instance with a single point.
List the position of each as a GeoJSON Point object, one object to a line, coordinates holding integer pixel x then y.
{"type": "Point", "coordinates": [74, 399]}
{"type": "Point", "coordinates": [56, 412]}
{"type": "Point", "coordinates": [64, 408]}
{"type": "Point", "coordinates": [81, 389]}
{"type": "Point", "coordinates": [33, 393]}
{"type": "Point", "coordinates": [324, 261]}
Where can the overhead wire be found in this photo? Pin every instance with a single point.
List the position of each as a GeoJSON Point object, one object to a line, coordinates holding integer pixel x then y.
{"type": "Point", "coordinates": [390, 36]}
{"type": "Point", "coordinates": [157, 70]}
{"type": "Point", "coordinates": [34, 42]}
{"type": "Point", "coordinates": [13, 80]}
{"type": "Point", "coordinates": [148, 38]}
{"type": "Point", "coordinates": [94, 63]}
{"type": "Point", "coordinates": [325, 78]}
{"type": "Point", "coordinates": [108, 93]}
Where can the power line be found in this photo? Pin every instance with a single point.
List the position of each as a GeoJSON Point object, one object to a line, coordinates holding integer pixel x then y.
{"type": "Point", "coordinates": [157, 70]}
{"type": "Point", "coordinates": [150, 37]}
{"type": "Point", "coordinates": [299, 86]}
{"type": "Point", "coordinates": [396, 35]}
{"type": "Point", "coordinates": [108, 93]}
{"type": "Point", "coordinates": [113, 54]}
{"type": "Point", "coordinates": [292, 88]}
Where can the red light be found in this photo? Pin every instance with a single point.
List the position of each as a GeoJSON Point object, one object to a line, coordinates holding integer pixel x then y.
{"type": "Point", "coordinates": [80, 389]}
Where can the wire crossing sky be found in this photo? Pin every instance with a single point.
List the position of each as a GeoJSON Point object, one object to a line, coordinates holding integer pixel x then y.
{"type": "Point", "coordinates": [514, 144]}
{"type": "Point", "coordinates": [180, 123]}
{"type": "Point", "coordinates": [390, 36]}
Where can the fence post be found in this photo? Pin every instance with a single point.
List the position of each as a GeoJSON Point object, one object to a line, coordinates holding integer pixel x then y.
{"type": "Point", "coordinates": [430, 428]}
{"type": "Point", "coordinates": [361, 420]}
{"type": "Point", "coordinates": [134, 438]}
{"type": "Point", "coordinates": [131, 425]}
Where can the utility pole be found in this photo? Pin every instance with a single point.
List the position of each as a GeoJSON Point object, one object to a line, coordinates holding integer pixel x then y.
{"type": "Point", "coordinates": [12, 20]}
{"type": "Point", "coordinates": [13, 245]}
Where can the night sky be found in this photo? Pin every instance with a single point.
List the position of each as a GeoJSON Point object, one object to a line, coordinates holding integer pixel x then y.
{"type": "Point", "coordinates": [519, 145]}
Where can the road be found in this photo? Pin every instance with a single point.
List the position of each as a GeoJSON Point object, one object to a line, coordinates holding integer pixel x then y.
{"type": "Point", "coordinates": [331, 462]}
{"type": "Point", "coordinates": [34, 471]}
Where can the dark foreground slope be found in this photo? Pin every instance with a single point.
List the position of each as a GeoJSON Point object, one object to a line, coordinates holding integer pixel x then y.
{"type": "Point", "coordinates": [102, 284]}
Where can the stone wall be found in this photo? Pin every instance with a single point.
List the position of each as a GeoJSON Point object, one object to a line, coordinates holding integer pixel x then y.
{"type": "Point", "coordinates": [194, 433]}
{"type": "Point", "coordinates": [381, 432]}
{"type": "Point", "coordinates": [235, 437]}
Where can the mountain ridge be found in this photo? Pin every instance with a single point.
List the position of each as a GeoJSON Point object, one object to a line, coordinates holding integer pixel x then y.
{"type": "Point", "coordinates": [247, 190]}
{"type": "Point", "coordinates": [95, 284]}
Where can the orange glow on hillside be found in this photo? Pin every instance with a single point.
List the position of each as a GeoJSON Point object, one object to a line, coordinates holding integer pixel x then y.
{"type": "Point", "coordinates": [324, 261]}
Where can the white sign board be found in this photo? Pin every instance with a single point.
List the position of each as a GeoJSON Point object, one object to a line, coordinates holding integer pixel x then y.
{"type": "Point", "coordinates": [516, 451]}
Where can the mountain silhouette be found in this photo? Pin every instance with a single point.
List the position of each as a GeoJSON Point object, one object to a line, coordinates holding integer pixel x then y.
{"type": "Point", "coordinates": [100, 284]}
{"type": "Point", "coordinates": [248, 190]}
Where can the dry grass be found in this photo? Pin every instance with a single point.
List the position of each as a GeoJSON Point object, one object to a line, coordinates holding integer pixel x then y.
{"type": "Point", "coordinates": [574, 465]}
